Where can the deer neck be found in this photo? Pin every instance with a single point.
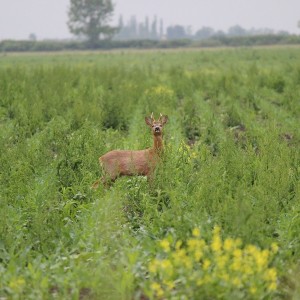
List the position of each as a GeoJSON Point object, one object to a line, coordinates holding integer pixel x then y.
{"type": "Point", "coordinates": [157, 143]}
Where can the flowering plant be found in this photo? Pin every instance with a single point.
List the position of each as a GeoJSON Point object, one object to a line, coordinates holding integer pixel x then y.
{"type": "Point", "coordinates": [218, 268]}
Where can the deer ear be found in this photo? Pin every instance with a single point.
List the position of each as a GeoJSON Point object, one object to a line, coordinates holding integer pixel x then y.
{"type": "Point", "coordinates": [148, 121]}
{"type": "Point", "coordinates": [164, 119]}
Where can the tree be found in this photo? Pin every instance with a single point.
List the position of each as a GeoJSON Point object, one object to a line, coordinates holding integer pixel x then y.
{"type": "Point", "coordinates": [89, 18]}
{"type": "Point", "coordinates": [122, 29]}
{"type": "Point", "coordinates": [121, 22]}
{"type": "Point", "coordinates": [204, 33]}
{"type": "Point", "coordinates": [132, 28]}
{"type": "Point", "coordinates": [176, 32]}
{"type": "Point", "coordinates": [236, 30]}
{"type": "Point", "coordinates": [283, 32]}
{"type": "Point", "coordinates": [161, 28]}
{"type": "Point", "coordinates": [147, 27]}
{"type": "Point", "coordinates": [154, 29]}
{"type": "Point", "coordinates": [32, 37]}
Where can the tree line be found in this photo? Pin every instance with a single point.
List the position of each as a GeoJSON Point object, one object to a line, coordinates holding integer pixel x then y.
{"type": "Point", "coordinates": [225, 41]}
{"type": "Point", "coordinates": [90, 21]}
{"type": "Point", "coordinates": [154, 30]}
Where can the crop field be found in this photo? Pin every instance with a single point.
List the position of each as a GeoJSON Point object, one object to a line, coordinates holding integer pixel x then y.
{"type": "Point", "coordinates": [219, 220]}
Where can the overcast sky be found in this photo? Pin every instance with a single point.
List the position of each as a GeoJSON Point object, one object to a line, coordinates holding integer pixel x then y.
{"type": "Point", "coordinates": [47, 18]}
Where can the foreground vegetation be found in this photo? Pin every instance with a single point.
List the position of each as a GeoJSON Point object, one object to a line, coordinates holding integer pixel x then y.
{"type": "Point", "coordinates": [220, 221]}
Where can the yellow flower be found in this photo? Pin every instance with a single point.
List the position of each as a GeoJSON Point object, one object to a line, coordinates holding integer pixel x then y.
{"type": "Point", "coordinates": [206, 264]}
{"type": "Point", "coordinates": [198, 254]}
{"type": "Point", "coordinates": [179, 256]}
{"type": "Point", "coordinates": [265, 253]}
{"type": "Point", "coordinates": [237, 281]}
{"type": "Point", "coordinates": [178, 244]}
{"type": "Point", "coordinates": [181, 259]}
{"type": "Point", "coordinates": [17, 284]}
{"type": "Point", "coordinates": [216, 244]}
{"type": "Point", "coordinates": [156, 287]}
{"type": "Point", "coordinates": [225, 276]}
{"type": "Point", "coordinates": [261, 258]}
{"type": "Point", "coordinates": [237, 253]}
{"type": "Point", "coordinates": [217, 230]}
{"type": "Point", "coordinates": [194, 154]}
{"type": "Point", "coordinates": [274, 248]}
{"type": "Point", "coordinates": [165, 245]}
{"type": "Point", "coordinates": [251, 249]}
{"type": "Point", "coordinates": [272, 286]}
{"type": "Point", "coordinates": [188, 263]}
{"type": "Point", "coordinates": [221, 261]}
{"type": "Point", "coordinates": [192, 244]}
{"type": "Point", "coordinates": [228, 244]}
{"type": "Point", "coordinates": [253, 290]}
{"type": "Point", "coordinates": [161, 91]}
{"type": "Point", "coordinates": [199, 282]}
{"type": "Point", "coordinates": [196, 232]}
{"type": "Point", "coordinates": [236, 265]}
{"type": "Point", "coordinates": [270, 274]}
{"type": "Point", "coordinates": [153, 266]}
{"type": "Point", "coordinates": [207, 279]}
{"type": "Point", "coordinates": [165, 264]}
{"type": "Point", "coordinates": [170, 284]}
{"type": "Point", "coordinates": [238, 242]}
{"type": "Point", "coordinates": [228, 262]}
{"type": "Point", "coordinates": [247, 270]}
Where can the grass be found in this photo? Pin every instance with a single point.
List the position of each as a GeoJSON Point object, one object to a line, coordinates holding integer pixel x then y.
{"type": "Point", "coordinates": [232, 160]}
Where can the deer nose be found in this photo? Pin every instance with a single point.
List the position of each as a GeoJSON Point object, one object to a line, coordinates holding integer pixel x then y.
{"type": "Point", "coordinates": [157, 129]}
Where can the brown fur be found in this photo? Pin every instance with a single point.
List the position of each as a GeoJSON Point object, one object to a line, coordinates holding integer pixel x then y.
{"type": "Point", "coordinates": [117, 163]}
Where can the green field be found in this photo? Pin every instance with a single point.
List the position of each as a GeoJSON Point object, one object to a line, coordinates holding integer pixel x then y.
{"type": "Point", "coordinates": [221, 220]}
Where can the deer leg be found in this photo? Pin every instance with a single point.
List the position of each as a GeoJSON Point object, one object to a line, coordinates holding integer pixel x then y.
{"type": "Point", "coordinates": [107, 182]}
{"type": "Point", "coordinates": [150, 178]}
{"type": "Point", "coordinates": [96, 184]}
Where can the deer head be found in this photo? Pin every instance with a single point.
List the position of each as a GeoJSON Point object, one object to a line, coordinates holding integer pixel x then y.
{"type": "Point", "coordinates": [156, 125]}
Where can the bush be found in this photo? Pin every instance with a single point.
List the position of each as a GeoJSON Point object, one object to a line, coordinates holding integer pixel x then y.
{"type": "Point", "coordinates": [218, 41]}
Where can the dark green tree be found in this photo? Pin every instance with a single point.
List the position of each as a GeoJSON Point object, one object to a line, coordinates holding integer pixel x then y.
{"type": "Point", "coordinates": [153, 34]}
{"type": "Point", "coordinates": [237, 30]}
{"type": "Point", "coordinates": [176, 32]}
{"type": "Point", "coordinates": [90, 19]}
{"type": "Point", "coordinates": [204, 33]}
{"type": "Point", "coordinates": [161, 28]}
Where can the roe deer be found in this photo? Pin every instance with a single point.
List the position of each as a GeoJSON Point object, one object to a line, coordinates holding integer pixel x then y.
{"type": "Point", "coordinates": [118, 163]}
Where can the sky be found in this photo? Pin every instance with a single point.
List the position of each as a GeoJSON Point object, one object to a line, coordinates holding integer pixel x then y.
{"type": "Point", "coordinates": [47, 18]}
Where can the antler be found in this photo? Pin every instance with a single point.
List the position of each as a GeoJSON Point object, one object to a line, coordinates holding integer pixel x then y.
{"type": "Point", "coordinates": [152, 118]}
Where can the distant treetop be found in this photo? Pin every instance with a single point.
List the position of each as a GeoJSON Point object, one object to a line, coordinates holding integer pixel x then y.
{"type": "Point", "coordinates": [90, 19]}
